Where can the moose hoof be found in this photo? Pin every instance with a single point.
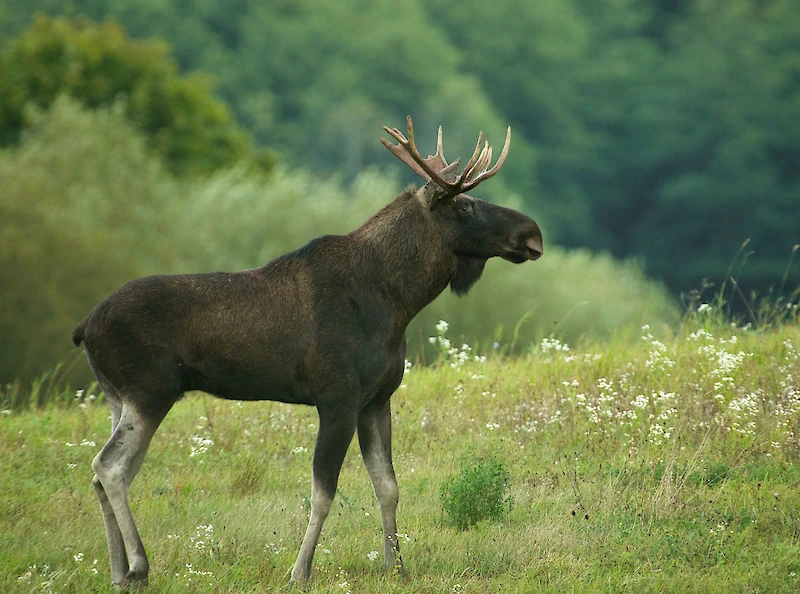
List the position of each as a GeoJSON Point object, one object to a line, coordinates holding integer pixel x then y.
{"type": "Point", "coordinates": [132, 582]}
{"type": "Point", "coordinates": [296, 586]}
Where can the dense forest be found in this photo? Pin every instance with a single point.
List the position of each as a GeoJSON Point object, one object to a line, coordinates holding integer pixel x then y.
{"type": "Point", "coordinates": [665, 132]}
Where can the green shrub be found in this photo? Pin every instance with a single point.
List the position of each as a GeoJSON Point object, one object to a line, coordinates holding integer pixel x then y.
{"type": "Point", "coordinates": [479, 492]}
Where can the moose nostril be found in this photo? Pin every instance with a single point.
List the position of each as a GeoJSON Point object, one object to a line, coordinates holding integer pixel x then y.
{"type": "Point", "coordinates": [535, 247]}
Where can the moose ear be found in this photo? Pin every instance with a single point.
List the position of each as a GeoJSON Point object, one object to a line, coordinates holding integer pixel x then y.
{"type": "Point", "coordinates": [431, 191]}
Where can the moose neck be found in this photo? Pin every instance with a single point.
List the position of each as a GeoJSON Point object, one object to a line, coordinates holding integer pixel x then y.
{"type": "Point", "coordinates": [401, 246]}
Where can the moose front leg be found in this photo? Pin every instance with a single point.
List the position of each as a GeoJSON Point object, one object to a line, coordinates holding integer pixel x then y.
{"type": "Point", "coordinates": [336, 429]}
{"type": "Point", "coordinates": [375, 439]}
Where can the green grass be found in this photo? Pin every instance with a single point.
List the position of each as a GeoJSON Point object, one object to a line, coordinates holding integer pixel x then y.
{"type": "Point", "coordinates": [664, 465]}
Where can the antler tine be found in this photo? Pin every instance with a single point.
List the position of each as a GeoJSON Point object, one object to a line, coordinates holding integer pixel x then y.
{"type": "Point", "coordinates": [410, 126]}
{"type": "Point", "coordinates": [399, 151]}
{"type": "Point", "coordinates": [408, 153]}
{"type": "Point", "coordinates": [396, 134]}
{"type": "Point", "coordinates": [480, 165]}
{"type": "Point", "coordinates": [487, 174]}
{"type": "Point", "coordinates": [488, 158]}
{"type": "Point", "coordinates": [439, 148]}
{"type": "Point", "coordinates": [437, 160]}
{"type": "Point", "coordinates": [473, 158]}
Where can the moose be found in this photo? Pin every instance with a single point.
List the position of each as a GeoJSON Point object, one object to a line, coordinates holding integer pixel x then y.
{"type": "Point", "coordinates": [322, 326]}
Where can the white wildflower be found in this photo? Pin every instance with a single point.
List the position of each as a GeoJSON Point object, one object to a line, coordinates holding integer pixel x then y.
{"type": "Point", "coordinates": [201, 445]}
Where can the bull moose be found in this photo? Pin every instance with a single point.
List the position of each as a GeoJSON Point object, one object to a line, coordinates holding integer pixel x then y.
{"type": "Point", "coordinates": [323, 326]}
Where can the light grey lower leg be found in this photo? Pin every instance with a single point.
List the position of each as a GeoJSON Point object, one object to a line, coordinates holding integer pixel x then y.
{"type": "Point", "coordinates": [116, 546]}
{"type": "Point", "coordinates": [115, 467]}
{"type": "Point", "coordinates": [375, 439]}
{"type": "Point", "coordinates": [320, 507]}
{"type": "Point", "coordinates": [336, 428]}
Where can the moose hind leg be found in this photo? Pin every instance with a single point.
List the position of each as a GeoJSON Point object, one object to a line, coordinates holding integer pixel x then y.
{"type": "Point", "coordinates": [375, 440]}
{"type": "Point", "coordinates": [336, 429]}
{"type": "Point", "coordinates": [115, 468]}
{"type": "Point", "coordinates": [116, 546]}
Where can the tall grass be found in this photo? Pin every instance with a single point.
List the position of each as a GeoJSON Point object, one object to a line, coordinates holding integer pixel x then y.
{"type": "Point", "coordinates": [664, 464]}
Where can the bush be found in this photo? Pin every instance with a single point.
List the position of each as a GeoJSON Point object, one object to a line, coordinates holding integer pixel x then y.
{"type": "Point", "coordinates": [479, 492]}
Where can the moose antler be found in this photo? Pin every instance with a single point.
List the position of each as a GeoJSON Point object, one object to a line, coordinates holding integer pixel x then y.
{"type": "Point", "coordinates": [428, 169]}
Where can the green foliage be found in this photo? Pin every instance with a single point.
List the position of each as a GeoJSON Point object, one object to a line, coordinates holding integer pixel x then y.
{"type": "Point", "coordinates": [705, 153]}
{"type": "Point", "coordinates": [315, 81]}
{"type": "Point", "coordinates": [98, 65]}
{"type": "Point", "coordinates": [82, 208]}
{"type": "Point", "coordinates": [106, 211]}
{"type": "Point", "coordinates": [660, 131]}
{"type": "Point", "coordinates": [479, 492]}
{"type": "Point", "coordinates": [666, 134]}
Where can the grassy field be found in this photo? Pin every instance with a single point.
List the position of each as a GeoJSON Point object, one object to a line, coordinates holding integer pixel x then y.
{"type": "Point", "coordinates": [661, 464]}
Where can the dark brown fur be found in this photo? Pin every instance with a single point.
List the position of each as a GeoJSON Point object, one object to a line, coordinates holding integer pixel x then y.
{"type": "Point", "coordinates": [323, 326]}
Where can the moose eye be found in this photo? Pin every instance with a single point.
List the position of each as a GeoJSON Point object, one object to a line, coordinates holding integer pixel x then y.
{"type": "Point", "coordinates": [464, 207]}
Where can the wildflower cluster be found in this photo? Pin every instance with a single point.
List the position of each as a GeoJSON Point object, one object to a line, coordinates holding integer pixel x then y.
{"type": "Point", "coordinates": [668, 391]}
{"type": "Point", "coordinates": [560, 351]}
{"type": "Point", "coordinates": [201, 441]}
{"type": "Point", "coordinates": [658, 359]}
{"type": "Point", "coordinates": [455, 356]}
{"type": "Point", "coordinates": [203, 539]}
{"type": "Point", "coordinates": [343, 583]}
{"type": "Point", "coordinates": [202, 543]}
{"type": "Point", "coordinates": [85, 443]}
{"type": "Point", "coordinates": [787, 408]}
{"type": "Point", "coordinates": [550, 345]}
{"type": "Point", "coordinates": [84, 400]}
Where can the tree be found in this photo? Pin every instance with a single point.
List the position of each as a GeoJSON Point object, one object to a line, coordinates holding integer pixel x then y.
{"type": "Point", "coordinates": [85, 206]}
{"type": "Point", "coordinates": [701, 151]}
{"type": "Point", "coordinates": [98, 64]}
{"type": "Point", "coordinates": [662, 130]}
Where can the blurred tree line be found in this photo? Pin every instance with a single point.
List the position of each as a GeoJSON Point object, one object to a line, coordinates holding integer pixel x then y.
{"type": "Point", "coordinates": [663, 130]}
{"type": "Point", "coordinates": [653, 128]}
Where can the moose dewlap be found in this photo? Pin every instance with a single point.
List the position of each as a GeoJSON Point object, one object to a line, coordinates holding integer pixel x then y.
{"type": "Point", "coordinates": [322, 326]}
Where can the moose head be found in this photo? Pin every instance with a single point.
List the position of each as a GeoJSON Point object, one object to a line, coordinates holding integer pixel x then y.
{"type": "Point", "coordinates": [473, 230]}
